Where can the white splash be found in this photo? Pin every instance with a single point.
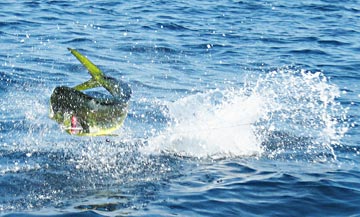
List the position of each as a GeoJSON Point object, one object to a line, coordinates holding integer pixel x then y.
{"type": "Point", "coordinates": [236, 122]}
{"type": "Point", "coordinates": [203, 126]}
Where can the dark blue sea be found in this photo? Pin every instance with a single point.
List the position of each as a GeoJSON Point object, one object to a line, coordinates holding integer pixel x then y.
{"type": "Point", "coordinates": [239, 108]}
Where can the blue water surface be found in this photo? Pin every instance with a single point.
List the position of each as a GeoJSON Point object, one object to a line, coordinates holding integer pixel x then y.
{"type": "Point", "coordinates": [239, 108]}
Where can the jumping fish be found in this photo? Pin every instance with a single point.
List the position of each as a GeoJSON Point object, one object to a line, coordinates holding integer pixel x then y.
{"type": "Point", "coordinates": [83, 114]}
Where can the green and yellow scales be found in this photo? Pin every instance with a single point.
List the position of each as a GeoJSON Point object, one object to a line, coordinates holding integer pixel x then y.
{"type": "Point", "coordinates": [82, 114]}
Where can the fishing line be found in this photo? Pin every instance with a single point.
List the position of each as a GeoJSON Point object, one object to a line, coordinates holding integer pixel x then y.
{"type": "Point", "coordinates": [182, 132]}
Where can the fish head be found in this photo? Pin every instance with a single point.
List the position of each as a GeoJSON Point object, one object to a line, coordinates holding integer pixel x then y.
{"type": "Point", "coordinates": [81, 114]}
{"type": "Point", "coordinates": [68, 108]}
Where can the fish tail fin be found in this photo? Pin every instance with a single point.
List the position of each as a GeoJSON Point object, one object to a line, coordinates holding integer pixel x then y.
{"type": "Point", "coordinates": [116, 88]}
{"type": "Point", "coordinates": [92, 83]}
{"type": "Point", "coordinates": [94, 71]}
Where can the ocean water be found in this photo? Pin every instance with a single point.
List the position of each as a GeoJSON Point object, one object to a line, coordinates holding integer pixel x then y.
{"type": "Point", "coordinates": [239, 108]}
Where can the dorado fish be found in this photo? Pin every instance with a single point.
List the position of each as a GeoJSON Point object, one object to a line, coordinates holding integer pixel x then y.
{"type": "Point", "coordinates": [82, 114]}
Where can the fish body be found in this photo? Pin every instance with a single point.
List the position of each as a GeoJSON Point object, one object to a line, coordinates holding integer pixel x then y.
{"type": "Point", "coordinates": [83, 114]}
